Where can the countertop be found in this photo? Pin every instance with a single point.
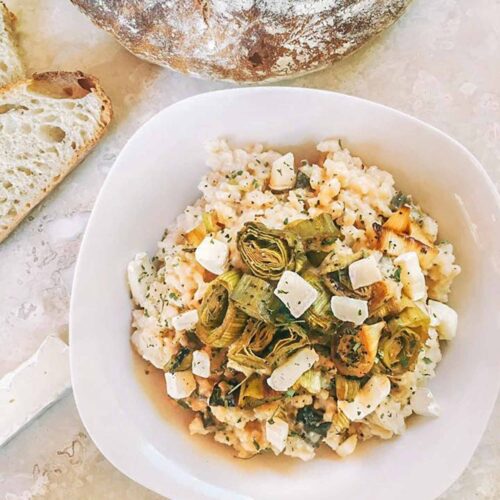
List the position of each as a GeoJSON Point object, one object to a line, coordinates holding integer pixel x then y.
{"type": "Point", "coordinates": [440, 62]}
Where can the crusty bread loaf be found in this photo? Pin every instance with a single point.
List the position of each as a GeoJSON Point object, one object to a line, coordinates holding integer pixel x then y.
{"type": "Point", "coordinates": [11, 66]}
{"type": "Point", "coordinates": [47, 125]}
{"type": "Point", "coordinates": [242, 40]}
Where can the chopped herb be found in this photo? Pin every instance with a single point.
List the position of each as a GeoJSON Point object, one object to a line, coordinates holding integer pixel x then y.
{"type": "Point", "coordinates": [257, 446]}
{"type": "Point", "coordinates": [397, 275]}
{"type": "Point", "coordinates": [427, 361]}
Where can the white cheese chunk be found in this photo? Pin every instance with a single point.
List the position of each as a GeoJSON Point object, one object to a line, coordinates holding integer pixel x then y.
{"type": "Point", "coordinates": [348, 446]}
{"type": "Point", "coordinates": [283, 174]}
{"type": "Point", "coordinates": [446, 319]}
{"type": "Point", "coordinates": [213, 255]}
{"type": "Point", "coordinates": [423, 403]}
{"type": "Point", "coordinates": [33, 386]}
{"type": "Point", "coordinates": [151, 346]}
{"type": "Point", "coordinates": [201, 364]}
{"type": "Point", "coordinates": [140, 273]}
{"type": "Point", "coordinates": [276, 434]}
{"type": "Point", "coordinates": [364, 272]}
{"type": "Point", "coordinates": [296, 293]}
{"type": "Point", "coordinates": [367, 399]}
{"type": "Point", "coordinates": [289, 372]}
{"type": "Point", "coordinates": [347, 309]}
{"type": "Point", "coordinates": [412, 277]}
{"type": "Point", "coordinates": [185, 321]}
{"type": "Point", "coordinates": [180, 384]}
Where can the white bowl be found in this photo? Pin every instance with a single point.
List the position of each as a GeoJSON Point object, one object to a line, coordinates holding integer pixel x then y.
{"type": "Point", "coordinates": [155, 177]}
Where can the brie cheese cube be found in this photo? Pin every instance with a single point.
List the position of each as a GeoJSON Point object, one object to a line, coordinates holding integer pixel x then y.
{"type": "Point", "coordinates": [412, 277]}
{"type": "Point", "coordinates": [296, 293]}
{"type": "Point", "coordinates": [364, 272]}
{"type": "Point", "coordinates": [347, 309]}
{"type": "Point", "coordinates": [446, 319]}
{"type": "Point", "coordinates": [33, 386]}
{"type": "Point", "coordinates": [185, 321]}
{"type": "Point", "coordinates": [283, 174]}
{"type": "Point", "coordinates": [180, 384]}
{"type": "Point", "coordinates": [348, 446]}
{"type": "Point", "coordinates": [201, 364]}
{"type": "Point", "coordinates": [367, 399]}
{"type": "Point", "coordinates": [290, 371]}
{"type": "Point", "coordinates": [212, 254]}
{"type": "Point", "coordinates": [276, 434]}
{"type": "Point", "coordinates": [423, 403]}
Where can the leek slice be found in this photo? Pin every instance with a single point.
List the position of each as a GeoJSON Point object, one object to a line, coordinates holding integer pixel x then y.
{"type": "Point", "coordinates": [254, 296]}
{"type": "Point", "coordinates": [340, 423]}
{"type": "Point", "coordinates": [319, 316]}
{"type": "Point", "coordinates": [208, 225]}
{"type": "Point", "coordinates": [251, 390]}
{"type": "Point", "coordinates": [269, 252]}
{"type": "Point", "coordinates": [318, 233]}
{"type": "Point", "coordinates": [220, 321]}
{"type": "Point", "coordinates": [346, 388]}
{"type": "Point", "coordinates": [334, 262]}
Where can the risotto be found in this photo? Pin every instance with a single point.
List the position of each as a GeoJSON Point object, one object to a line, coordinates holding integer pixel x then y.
{"type": "Point", "coordinates": [296, 303]}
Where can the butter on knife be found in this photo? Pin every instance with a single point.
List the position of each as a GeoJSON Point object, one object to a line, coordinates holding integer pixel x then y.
{"type": "Point", "coordinates": [33, 386]}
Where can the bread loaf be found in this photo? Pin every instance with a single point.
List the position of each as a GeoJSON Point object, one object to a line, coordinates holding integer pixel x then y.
{"type": "Point", "coordinates": [11, 66]}
{"type": "Point", "coordinates": [47, 125]}
{"type": "Point", "coordinates": [243, 40]}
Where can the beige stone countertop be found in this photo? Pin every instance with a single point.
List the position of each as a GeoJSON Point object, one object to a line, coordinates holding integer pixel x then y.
{"type": "Point", "coordinates": [440, 62]}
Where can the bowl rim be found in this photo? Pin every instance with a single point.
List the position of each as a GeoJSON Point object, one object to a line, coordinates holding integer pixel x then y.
{"type": "Point", "coordinates": [94, 433]}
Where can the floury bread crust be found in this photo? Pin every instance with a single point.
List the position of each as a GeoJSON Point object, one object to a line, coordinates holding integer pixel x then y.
{"type": "Point", "coordinates": [243, 40]}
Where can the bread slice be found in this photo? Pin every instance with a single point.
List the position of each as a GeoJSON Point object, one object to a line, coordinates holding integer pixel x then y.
{"type": "Point", "coordinates": [11, 66]}
{"type": "Point", "coordinates": [47, 125]}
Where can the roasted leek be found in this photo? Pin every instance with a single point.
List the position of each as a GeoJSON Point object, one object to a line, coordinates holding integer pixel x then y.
{"type": "Point", "coordinates": [318, 233]}
{"type": "Point", "coordinates": [346, 388]}
{"type": "Point", "coordinates": [319, 316]}
{"type": "Point", "coordinates": [220, 321]}
{"type": "Point", "coordinates": [254, 296]}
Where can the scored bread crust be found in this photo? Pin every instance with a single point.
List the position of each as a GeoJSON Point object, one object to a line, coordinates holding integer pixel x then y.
{"type": "Point", "coordinates": [68, 85]}
{"type": "Point", "coordinates": [243, 40]}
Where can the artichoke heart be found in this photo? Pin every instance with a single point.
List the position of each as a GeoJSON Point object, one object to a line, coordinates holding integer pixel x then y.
{"type": "Point", "coordinates": [220, 321]}
{"type": "Point", "coordinates": [354, 350]}
{"type": "Point", "coordinates": [402, 341]}
{"type": "Point", "coordinates": [263, 346]}
{"type": "Point", "coordinates": [270, 252]}
{"type": "Point", "coordinates": [319, 316]}
{"type": "Point", "coordinates": [318, 233]}
{"type": "Point", "coordinates": [247, 350]}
